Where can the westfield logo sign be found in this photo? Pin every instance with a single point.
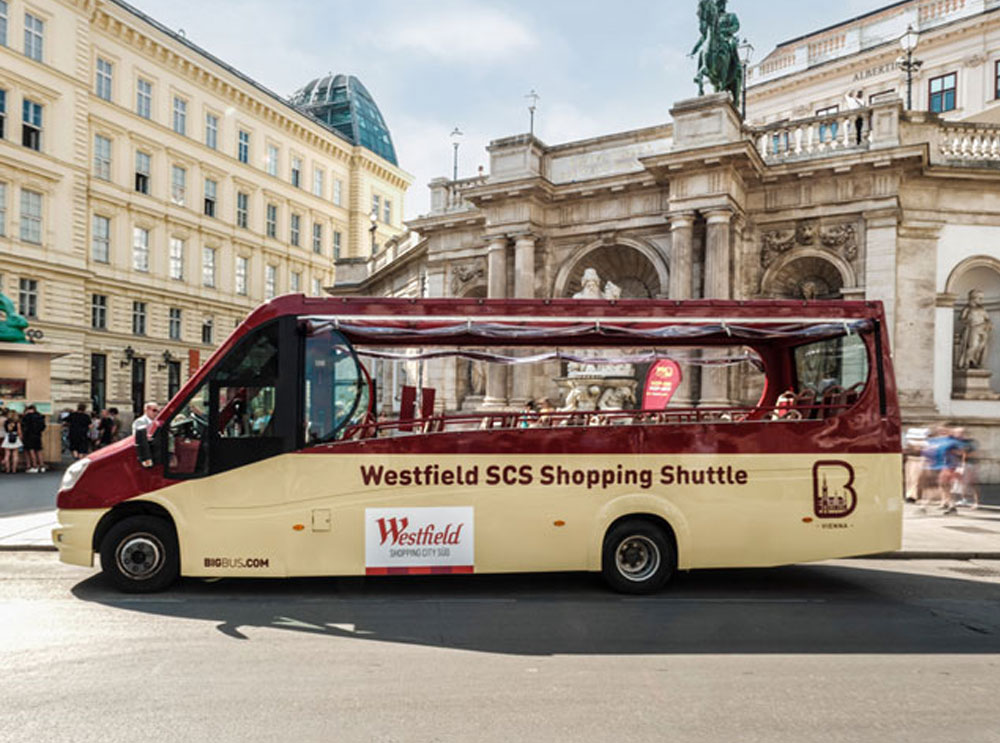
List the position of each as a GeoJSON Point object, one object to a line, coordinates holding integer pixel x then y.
{"type": "Point", "coordinates": [396, 531]}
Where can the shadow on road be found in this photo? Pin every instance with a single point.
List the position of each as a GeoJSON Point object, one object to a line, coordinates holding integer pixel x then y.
{"type": "Point", "coordinates": [799, 609]}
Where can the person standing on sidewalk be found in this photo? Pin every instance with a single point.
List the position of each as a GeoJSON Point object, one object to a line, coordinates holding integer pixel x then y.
{"type": "Point", "coordinates": [105, 429]}
{"type": "Point", "coordinates": [32, 425]}
{"type": "Point", "coordinates": [11, 442]}
{"type": "Point", "coordinates": [78, 424]}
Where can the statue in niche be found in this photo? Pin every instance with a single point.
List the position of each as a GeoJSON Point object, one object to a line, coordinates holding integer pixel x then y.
{"type": "Point", "coordinates": [477, 378]}
{"type": "Point", "coordinates": [976, 329]}
{"type": "Point", "coordinates": [808, 289]}
{"type": "Point", "coordinates": [591, 286]}
{"type": "Point", "coordinates": [612, 290]}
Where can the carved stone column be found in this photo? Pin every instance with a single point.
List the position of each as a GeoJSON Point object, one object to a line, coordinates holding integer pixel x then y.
{"type": "Point", "coordinates": [496, 266]}
{"type": "Point", "coordinates": [681, 263]}
{"type": "Point", "coordinates": [913, 340]}
{"type": "Point", "coordinates": [524, 288]}
{"type": "Point", "coordinates": [718, 264]}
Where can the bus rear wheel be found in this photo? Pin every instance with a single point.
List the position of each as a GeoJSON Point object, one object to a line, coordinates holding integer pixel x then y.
{"type": "Point", "coordinates": [638, 557]}
{"type": "Point", "coordinates": [139, 554]}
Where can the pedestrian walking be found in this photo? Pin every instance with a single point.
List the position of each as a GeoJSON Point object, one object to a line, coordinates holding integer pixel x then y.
{"type": "Point", "coordinates": [11, 445]}
{"type": "Point", "coordinates": [78, 424]}
{"type": "Point", "coordinates": [105, 429]}
{"type": "Point", "coordinates": [32, 425]}
{"type": "Point", "coordinates": [942, 456]}
{"type": "Point", "coordinates": [116, 431]}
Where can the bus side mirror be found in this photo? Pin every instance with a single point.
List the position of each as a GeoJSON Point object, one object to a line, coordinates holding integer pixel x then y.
{"type": "Point", "coordinates": [143, 449]}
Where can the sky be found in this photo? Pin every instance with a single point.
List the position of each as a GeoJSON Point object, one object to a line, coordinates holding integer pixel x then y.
{"type": "Point", "coordinates": [431, 65]}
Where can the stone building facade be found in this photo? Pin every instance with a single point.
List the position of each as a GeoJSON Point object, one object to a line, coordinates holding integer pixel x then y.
{"type": "Point", "coordinates": [869, 202]}
{"type": "Point", "coordinates": [150, 196]}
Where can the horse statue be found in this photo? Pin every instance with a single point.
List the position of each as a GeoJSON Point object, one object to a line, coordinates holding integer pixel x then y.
{"type": "Point", "coordinates": [12, 325]}
{"type": "Point", "coordinates": [717, 49]}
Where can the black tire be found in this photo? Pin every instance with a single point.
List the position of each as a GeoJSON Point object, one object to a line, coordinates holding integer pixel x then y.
{"type": "Point", "coordinates": [639, 557]}
{"type": "Point", "coordinates": [139, 554]}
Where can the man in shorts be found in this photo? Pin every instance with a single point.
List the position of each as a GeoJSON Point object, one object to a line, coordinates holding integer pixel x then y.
{"type": "Point", "coordinates": [32, 425]}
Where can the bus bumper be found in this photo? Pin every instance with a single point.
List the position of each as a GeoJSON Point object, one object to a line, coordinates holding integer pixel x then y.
{"type": "Point", "coordinates": [74, 537]}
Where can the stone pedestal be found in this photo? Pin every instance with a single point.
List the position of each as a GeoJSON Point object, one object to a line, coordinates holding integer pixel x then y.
{"type": "Point", "coordinates": [972, 384]}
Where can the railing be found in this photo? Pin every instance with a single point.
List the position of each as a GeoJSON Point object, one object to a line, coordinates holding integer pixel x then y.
{"type": "Point", "coordinates": [815, 136]}
{"type": "Point", "coordinates": [970, 142]}
{"type": "Point", "coordinates": [939, 9]}
{"type": "Point", "coordinates": [449, 196]}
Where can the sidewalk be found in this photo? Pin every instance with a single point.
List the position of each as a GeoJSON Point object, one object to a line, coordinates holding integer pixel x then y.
{"type": "Point", "coordinates": [966, 535]}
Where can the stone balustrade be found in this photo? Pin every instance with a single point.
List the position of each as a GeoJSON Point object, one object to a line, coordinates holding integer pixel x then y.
{"type": "Point", "coordinates": [448, 195]}
{"type": "Point", "coordinates": [969, 142]}
{"type": "Point", "coordinates": [814, 136]}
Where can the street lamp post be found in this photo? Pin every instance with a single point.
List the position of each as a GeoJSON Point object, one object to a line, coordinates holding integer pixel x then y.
{"type": "Point", "coordinates": [745, 50]}
{"type": "Point", "coordinates": [374, 226]}
{"type": "Point", "coordinates": [909, 65]}
{"type": "Point", "coordinates": [531, 110]}
{"type": "Point", "coordinates": [456, 137]}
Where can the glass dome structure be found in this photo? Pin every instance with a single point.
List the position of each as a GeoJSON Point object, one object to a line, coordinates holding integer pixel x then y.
{"type": "Point", "coordinates": [342, 103]}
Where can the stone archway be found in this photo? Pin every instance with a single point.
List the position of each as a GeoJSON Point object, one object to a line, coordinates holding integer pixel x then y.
{"type": "Point", "coordinates": [635, 267]}
{"type": "Point", "coordinates": [807, 274]}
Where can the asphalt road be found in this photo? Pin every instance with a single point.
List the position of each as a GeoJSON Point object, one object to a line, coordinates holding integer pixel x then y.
{"type": "Point", "coordinates": [24, 493]}
{"type": "Point", "coordinates": [849, 651]}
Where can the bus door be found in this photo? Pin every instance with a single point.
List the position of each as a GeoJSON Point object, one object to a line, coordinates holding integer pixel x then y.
{"type": "Point", "coordinates": [244, 412]}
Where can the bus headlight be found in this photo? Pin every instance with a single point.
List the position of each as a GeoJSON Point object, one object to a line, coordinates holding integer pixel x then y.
{"type": "Point", "coordinates": [73, 473]}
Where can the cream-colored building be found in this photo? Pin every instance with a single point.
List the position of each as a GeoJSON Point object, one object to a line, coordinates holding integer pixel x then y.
{"type": "Point", "coordinates": [150, 196]}
{"type": "Point", "coordinates": [869, 201]}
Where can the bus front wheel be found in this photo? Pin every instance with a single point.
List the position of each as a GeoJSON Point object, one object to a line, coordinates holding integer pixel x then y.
{"type": "Point", "coordinates": [638, 557]}
{"type": "Point", "coordinates": [139, 554]}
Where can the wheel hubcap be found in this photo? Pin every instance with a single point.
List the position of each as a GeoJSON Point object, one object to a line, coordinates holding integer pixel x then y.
{"type": "Point", "coordinates": [139, 556]}
{"type": "Point", "coordinates": [637, 558]}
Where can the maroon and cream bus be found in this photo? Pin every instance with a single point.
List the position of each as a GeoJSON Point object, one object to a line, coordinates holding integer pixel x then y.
{"type": "Point", "coordinates": [350, 436]}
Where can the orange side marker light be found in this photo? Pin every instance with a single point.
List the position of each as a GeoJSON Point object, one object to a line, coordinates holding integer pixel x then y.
{"type": "Point", "coordinates": [807, 519]}
{"type": "Point", "coordinates": [299, 527]}
{"type": "Point", "coordinates": [559, 522]}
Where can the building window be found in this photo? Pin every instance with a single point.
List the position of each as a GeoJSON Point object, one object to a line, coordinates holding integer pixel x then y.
{"type": "Point", "coordinates": [387, 211]}
{"type": "Point", "coordinates": [140, 249]}
{"type": "Point", "coordinates": [211, 131]}
{"type": "Point", "coordinates": [102, 157]}
{"type": "Point", "coordinates": [317, 287]}
{"type": "Point", "coordinates": [241, 275]}
{"type": "Point", "coordinates": [317, 238]}
{"type": "Point", "coordinates": [178, 184]}
{"type": "Point", "coordinates": [173, 378]}
{"type": "Point", "coordinates": [942, 93]}
{"type": "Point", "coordinates": [138, 318]}
{"type": "Point", "coordinates": [336, 244]}
{"type": "Point", "coordinates": [31, 216]}
{"type": "Point", "coordinates": [243, 147]}
{"type": "Point", "coordinates": [270, 282]}
{"type": "Point", "coordinates": [99, 311]}
{"type": "Point", "coordinates": [208, 267]}
{"type": "Point", "coordinates": [296, 223]}
{"type": "Point", "coordinates": [144, 98]}
{"type": "Point", "coordinates": [206, 331]}
{"type": "Point", "coordinates": [34, 37]}
{"type": "Point", "coordinates": [338, 192]}
{"type": "Point", "coordinates": [242, 209]}
{"type": "Point", "coordinates": [104, 71]}
{"type": "Point", "coordinates": [272, 160]}
{"type": "Point", "coordinates": [3, 212]}
{"type": "Point", "coordinates": [176, 257]}
{"type": "Point", "coordinates": [180, 115]}
{"type": "Point", "coordinates": [3, 111]}
{"type": "Point", "coordinates": [98, 380]}
{"type": "Point", "coordinates": [295, 281]}
{"type": "Point", "coordinates": [211, 190]}
{"type": "Point", "coordinates": [27, 297]}
{"type": "Point", "coordinates": [296, 172]}
{"type": "Point", "coordinates": [142, 172]}
{"type": "Point", "coordinates": [271, 223]}
{"type": "Point", "coordinates": [174, 324]}
{"type": "Point", "coordinates": [100, 242]}
{"type": "Point", "coordinates": [375, 205]}
{"type": "Point", "coordinates": [3, 23]}
{"type": "Point", "coordinates": [318, 182]}
{"type": "Point", "coordinates": [31, 129]}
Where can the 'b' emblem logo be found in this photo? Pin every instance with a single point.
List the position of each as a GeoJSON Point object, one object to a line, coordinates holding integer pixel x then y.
{"type": "Point", "coordinates": [833, 489]}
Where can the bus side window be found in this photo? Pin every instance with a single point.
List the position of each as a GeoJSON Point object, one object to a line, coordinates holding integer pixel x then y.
{"type": "Point", "coordinates": [187, 442]}
{"type": "Point", "coordinates": [833, 371]}
{"type": "Point", "coordinates": [336, 392]}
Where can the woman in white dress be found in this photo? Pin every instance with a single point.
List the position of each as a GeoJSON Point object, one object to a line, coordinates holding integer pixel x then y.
{"type": "Point", "coordinates": [11, 445]}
